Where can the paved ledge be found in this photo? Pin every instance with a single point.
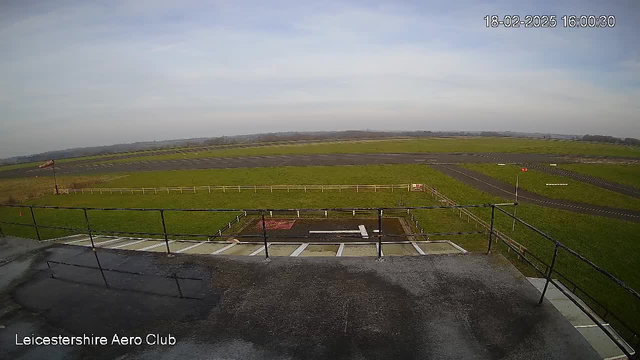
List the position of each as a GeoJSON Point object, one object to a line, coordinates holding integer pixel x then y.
{"type": "Point", "coordinates": [420, 307]}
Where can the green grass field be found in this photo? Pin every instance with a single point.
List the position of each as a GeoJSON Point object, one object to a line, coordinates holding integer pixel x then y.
{"type": "Point", "coordinates": [623, 174]}
{"type": "Point", "coordinates": [610, 243]}
{"type": "Point", "coordinates": [431, 145]}
{"type": "Point", "coordinates": [535, 181]}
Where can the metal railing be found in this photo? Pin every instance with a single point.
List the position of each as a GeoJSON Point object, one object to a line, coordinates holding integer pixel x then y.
{"type": "Point", "coordinates": [629, 350]}
{"type": "Point", "coordinates": [493, 235]}
{"type": "Point", "coordinates": [235, 188]}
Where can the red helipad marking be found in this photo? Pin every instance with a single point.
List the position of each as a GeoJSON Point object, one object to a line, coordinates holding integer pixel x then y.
{"type": "Point", "coordinates": [276, 224]}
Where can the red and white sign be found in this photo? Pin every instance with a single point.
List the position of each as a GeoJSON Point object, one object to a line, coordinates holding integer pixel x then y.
{"type": "Point", "coordinates": [47, 164]}
{"type": "Point", "coordinates": [417, 187]}
{"type": "Point", "coordinates": [524, 169]}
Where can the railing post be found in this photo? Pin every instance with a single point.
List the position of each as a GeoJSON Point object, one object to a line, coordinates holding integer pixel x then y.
{"type": "Point", "coordinates": [35, 224]}
{"type": "Point", "coordinates": [379, 234]}
{"type": "Point", "coordinates": [493, 212]}
{"type": "Point", "coordinates": [264, 234]}
{"type": "Point", "coordinates": [546, 284]}
{"type": "Point", "coordinates": [1, 233]}
{"type": "Point", "coordinates": [164, 230]}
{"type": "Point", "coordinates": [86, 218]}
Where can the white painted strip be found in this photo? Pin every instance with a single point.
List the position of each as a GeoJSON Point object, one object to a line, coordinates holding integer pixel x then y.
{"type": "Point", "coordinates": [127, 244]}
{"type": "Point", "coordinates": [258, 251]}
{"type": "Point", "coordinates": [156, 245]}
{"type": "Point", "coordinates": [502, 164]}
{"type": "Point", "coordinates": [223, 249]}
{"type": "Point", "coordinates": [77, 241]}
{"type": "Point", "coordinates": [363, 232]}
{"type": "Point", "coordinates": [589, 326]}
{"type": "Point", "coordinates": [618, 357]}
{"type": "Point", "coordinates": [340, 250]}
{"type": "Point", "coordinates": [106, 242]}
{"type": "Point", "coordinates": [457, 247]}
{"type": "Point", "coordinates": [378, 247]}
{"type": "Point", "coordinates": [557, 184]}
{"type": "Point", "coordinates": [299, 250]}
{"type": "Point", "coordinates": [418, 249]}
{"type": "Point", "coordinates": [190, 247]}
{"type": "Point", "coordinates": [334, 231]}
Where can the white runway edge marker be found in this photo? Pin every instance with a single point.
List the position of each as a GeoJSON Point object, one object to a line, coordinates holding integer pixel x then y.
{"type": "Point", "coordinates": [190, 247]}
{"type": "Point", "coordinates": [127, 244]}
{"type": "Point", "coordinates": [156, 245]}
{"type": "Point", "coordinates": [557, 184]}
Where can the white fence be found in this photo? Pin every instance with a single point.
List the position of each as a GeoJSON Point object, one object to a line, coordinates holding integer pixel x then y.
{"type": "Point", "coordinates": [478, 221]}
{"type": "Point", "coordinates": [240, 188]}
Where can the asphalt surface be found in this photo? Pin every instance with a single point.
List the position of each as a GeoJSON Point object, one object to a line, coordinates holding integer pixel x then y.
{"type": "Point", "coordinates": [496, 187]}
{"type": "Point", "coordinates": [427, 307]}
{"type": "Point", "coordinates": [593, 180]}
{"type": "Point", "coordinates": [284, 160]}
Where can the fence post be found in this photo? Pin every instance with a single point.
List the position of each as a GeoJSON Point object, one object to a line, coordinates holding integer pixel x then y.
{"type": "Point", "coordinates": [1, 233]}
{"type": "Point", "coordinates": [224, 189]}
{"type": "Point", "coordinates": [142, 191]}
{"type": "Point", "coordinates": [86, 218]}
{"type": "Point", "coordinates": [35, 224]}
{"type": "Point", "coordinates": [164, 230]}
{"type": "Point", "coordinates": [155, 191]}
{"type": "Point", "coordinates": [194, 189]}
{"type": "Point", "coordinates": [209, 188]}
{"type": "Point", "coordinates": [322, 188]}
{"type": "Point", "coordinates": [493, 211]}
{"type": "Point", "coordinates": [238, 188]}
{"type": "Point", "coordinates": [379, 234]}
{"type": "Point", "coordinates": [255, 188]}
{"type": "Point", "coordinates": [271, 188]}
{"type": "Point", "coordinates": [357, 188]}
{"type": "Point", "coordinates": [305, 188]}
{"type": "Point", "coordinates": [546, 284]}
{"type": "Point", "coordinates": [264, 234]}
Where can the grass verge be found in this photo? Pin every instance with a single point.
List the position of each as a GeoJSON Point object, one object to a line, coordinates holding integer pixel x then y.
{"type": "Point", "coordinates": [535, 181]}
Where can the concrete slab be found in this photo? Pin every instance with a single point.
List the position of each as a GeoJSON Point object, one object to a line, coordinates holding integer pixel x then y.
{"type": "Point", "coordinates": [359, 250]}
{"type": "Point", "coordinates": [437, 248]}
{"type": "Point", "coordinates": [281, 250]}
{"type": "Point", "coordinates": [320, 250]}
{"type": "Point", "coordinates": [242, 249]}
{"type": "Point", "coordinates": [598, 339]}
{"type": "Point", "coordinates": [140, 245]}
{"type": "Point", "coordinates": [399, 250]}
{"type": "Point", "coordinates": [206, 248]}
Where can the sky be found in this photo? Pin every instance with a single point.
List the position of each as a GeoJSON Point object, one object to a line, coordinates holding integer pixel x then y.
{"type": "Point", "coordinates": [87, 73]}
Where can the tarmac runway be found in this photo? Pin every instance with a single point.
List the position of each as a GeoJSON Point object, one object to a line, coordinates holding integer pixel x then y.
{"type": "Point", "coordinates": [498, 188]}
{"type": "Point", "coordinates": [285, 160]}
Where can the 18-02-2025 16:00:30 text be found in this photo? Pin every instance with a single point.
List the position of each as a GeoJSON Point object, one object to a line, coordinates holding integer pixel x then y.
{"type": "Point", "coordinates": [550, 21]}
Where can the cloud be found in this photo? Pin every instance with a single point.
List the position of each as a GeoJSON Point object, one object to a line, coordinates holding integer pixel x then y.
{"type": "Point", "coordinates": [101, 74]}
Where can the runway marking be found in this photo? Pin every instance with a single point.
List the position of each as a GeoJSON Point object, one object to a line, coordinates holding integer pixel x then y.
{"type": "Point", "coordinates": [156, 245]}
{"type": "Point", "coordinates": [363, 231]}
{"type": "Point", "coordinates": [190, 247]}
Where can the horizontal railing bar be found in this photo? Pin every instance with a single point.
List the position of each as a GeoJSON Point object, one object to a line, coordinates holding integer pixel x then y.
{"type": "Point", "coordinates": [253, 210]}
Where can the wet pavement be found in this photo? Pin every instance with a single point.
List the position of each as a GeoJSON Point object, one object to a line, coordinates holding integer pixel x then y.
{"type": "Point", "coordinates": [404, 307]}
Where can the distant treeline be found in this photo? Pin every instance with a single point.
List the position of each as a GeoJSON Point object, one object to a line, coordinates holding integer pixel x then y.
{"type": "Point", "coordinates": [294, 136]}
{"type": "Point", "coordinates": [611, 139]}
